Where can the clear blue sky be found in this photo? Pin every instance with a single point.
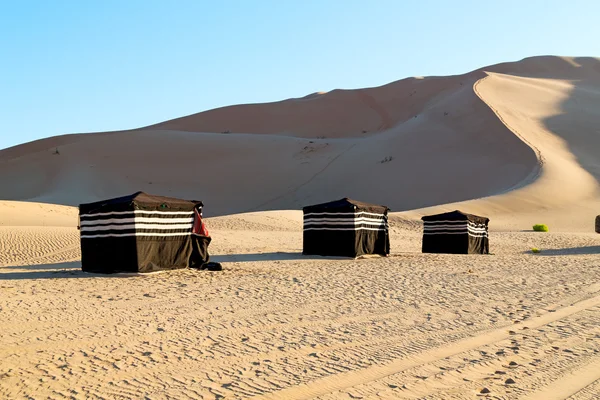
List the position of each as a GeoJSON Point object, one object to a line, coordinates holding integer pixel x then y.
{"type": "Point", "coordinates": [96, 65]}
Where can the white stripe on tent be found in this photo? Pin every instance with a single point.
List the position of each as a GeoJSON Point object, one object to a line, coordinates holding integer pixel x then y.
{"type": "Point", "coordinates": [446, 226]}
{"type": "Point", "coordinates": [318, 226]}
{"type": "Point", "coordinates": [454, 228]}
{"type": "Point", "coordinates": [477, 229]}
{"type": "Point", "coordinates": [345, 219]}
{"type": "Point", "coordinates": [456, 233]}
{"type": "Point", "coordinates": [135, 226]}
{"type": "Point", "coordinates": [136, 220]}
{"type": "Point", "coordinates": [342, 222]}
{"type": "Point", "coordinates": [351, 213]}
{"type": "Point", "coordinates": [134, 234]}
{"type": "Point", "coordinates": [345, 229]}
{"type": "Point", "coordinates": [471, 226]}
{"type": "Point", "coordinates": [445, 221]}
{"type": "Point", "coordinates": [137, 212]}
{"type": "Point", "coordinates": [452, 222]}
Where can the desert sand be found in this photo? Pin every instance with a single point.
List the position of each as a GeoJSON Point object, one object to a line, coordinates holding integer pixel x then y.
{"type": "Point", "coordinates": [516, 142]}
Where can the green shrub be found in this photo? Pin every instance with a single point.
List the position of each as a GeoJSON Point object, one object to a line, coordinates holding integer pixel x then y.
{"type": "Point", "coordinates": [534, 250]}
{"type": "Point", "coordinates": [540, 228]}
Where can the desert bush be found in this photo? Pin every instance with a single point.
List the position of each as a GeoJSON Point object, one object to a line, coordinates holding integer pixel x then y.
{"type": "Point", "coordinates": [535, 250]}
{"type": "Point", "coordinates": [540, 228]}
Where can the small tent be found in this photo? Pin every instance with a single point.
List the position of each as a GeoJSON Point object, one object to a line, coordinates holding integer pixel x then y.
{"type": "Point", "coordinates": [347, 228]}
{"type": "Point", "coordinates": [456, 233]}
{"type": "Point", "coordinates": [142, 233]}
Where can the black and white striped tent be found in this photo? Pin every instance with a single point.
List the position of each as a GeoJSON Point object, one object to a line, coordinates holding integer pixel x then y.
{"type": "Point", "coordinates": [142, 233]}
{"type": "Point", "coordinates": [456, 233]}
{"type": "Point", "coordinates": [347, 228]}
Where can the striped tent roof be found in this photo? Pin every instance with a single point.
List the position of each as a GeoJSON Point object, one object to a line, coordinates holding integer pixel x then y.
{"type": "Point", "coordinates": [346, 204]}
{"type": "Point", "coordinates": [140, 201]}
{"type": "Point", "coordinates": [456, 215]}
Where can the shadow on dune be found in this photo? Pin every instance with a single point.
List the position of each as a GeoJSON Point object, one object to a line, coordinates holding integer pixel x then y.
{"type": "Point", "coordinates": [578, 120]}
{"type": "Point", "coordinates": [274, 256]}
{"type": "Point", "coordinates": [569, 251]}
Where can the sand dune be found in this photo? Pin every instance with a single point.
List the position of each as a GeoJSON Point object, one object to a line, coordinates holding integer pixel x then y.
{"type": "Point", "coordinates": [528, 125]}
{"type": "Point", "coordinates": [517, 142]}
{"type": "Point", "coordinates": [16, 213]}
{"type": "Point", "coordinates": [559, 120]}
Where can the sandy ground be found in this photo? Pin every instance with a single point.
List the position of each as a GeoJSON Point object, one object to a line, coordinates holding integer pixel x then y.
{"type": "Point", "coordinates": [516, 142]}
{"type": "Point", "coordinates": [276, 324]}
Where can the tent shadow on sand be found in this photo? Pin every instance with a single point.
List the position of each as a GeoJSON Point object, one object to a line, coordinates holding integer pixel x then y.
{"type": "Point", "coordinates": [67, 270]}
{"type": "Point", "coordinates": [569, 251]}
{"type": "Point", "coordinates": [272, 256]}
{"type": "Point", "coordinates": [72, 270]}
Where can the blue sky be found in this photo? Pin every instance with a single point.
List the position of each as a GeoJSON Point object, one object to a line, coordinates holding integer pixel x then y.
{"type": "Point", "coordinates": [97, 65]}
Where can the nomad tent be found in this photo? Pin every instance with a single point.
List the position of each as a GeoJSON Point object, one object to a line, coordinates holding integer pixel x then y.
{"type": "Point", "coordinates": [142, 233]}
{"type": "Point", "coordinates": [346, 228]}
{"type": "Point", "coordinates": [456, 233]}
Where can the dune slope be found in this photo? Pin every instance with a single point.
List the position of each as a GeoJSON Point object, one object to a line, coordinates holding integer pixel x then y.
{"type": "Point", "coordinates": [558, 116]}
{"type": "Point", "coordinates": [515, 136]}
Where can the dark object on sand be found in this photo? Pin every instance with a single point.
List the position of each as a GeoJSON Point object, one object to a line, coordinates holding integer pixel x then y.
{"type": "Point", "coordinates": [346, 228]}
{"type": "Point", "coordinates": [455, 232]}
{"type": "Point", "coordinates": [142, 233]}
{"type": "Point", "coordinates": [212, 266]}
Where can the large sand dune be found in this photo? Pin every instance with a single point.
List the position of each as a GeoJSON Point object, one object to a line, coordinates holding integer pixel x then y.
{"type": "Point", "coordinates": [517, 142]}
{"type": "Point", "coordinates": [450, 139]}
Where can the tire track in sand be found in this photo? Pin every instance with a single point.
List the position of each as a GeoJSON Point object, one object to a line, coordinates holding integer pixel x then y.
{"type": "Point", "coordinates": [569, 385]}
{"type": "Point", "coordinates": [347, 380]}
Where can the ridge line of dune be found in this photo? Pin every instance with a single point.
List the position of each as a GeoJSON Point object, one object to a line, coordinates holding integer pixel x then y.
{"type": "Point", "coordinates": [537, 171]}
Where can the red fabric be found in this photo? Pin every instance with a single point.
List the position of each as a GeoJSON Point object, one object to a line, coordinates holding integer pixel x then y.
{"type": "Point", "coordinates": [199, 227]}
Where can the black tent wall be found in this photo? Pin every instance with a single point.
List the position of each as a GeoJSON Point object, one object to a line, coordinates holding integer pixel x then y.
{"type": "Point", "coordinates": [455, 232]}
{"type": "Point", "coordinates": [346, 228]}
{"type": "Point", "coordinates": [140, 233]}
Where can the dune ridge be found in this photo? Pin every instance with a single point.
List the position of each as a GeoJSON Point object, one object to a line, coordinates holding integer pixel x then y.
{"type": "Point", "coordinates": [557, 118]}
{"type": "Point", "coordinates": [512, 138]}
{"type": "Point", "coordinates": [430, 141]}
